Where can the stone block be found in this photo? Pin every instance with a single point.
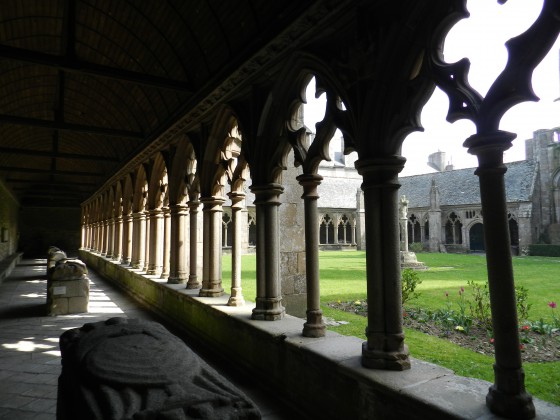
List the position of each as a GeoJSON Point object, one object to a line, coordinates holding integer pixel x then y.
{"type": "Point", "coordinates": [67, 296]}
{"type": "Point", "coordinates": [58, 306]}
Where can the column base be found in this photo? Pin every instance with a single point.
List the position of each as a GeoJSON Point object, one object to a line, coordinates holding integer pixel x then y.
{"type": "Point", "coordinates": [211, 292]}
{"type": "Point", "coordinates": [268, 309]}
{"type": "Point", "coordinates": [193, 283]}
{"type": "Point", "coordinates": [236, 298]}
{"type": "Point", "coordinates": [176, 280]}
{"type": "Point", "coordinates": [314, 327]}
{"type": "Point", "coordinates": [507, 397]}
{"type": "Point", "coordinates": [385, 360]}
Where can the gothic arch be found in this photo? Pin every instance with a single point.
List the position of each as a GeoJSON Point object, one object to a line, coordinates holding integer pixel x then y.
{"type": "Point", "coordinates": [127, 194]}
{"type": "Point", "coordinates": [182, 171]}
{"type": "Point", "coordinates": [140, 190]}
{"type": "Point", "coordinates": [157, 186]}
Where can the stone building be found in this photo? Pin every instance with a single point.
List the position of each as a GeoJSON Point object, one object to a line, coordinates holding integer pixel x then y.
{"type": "Point", "coordinates": [126, 126]}
{"type": "Point", "coordinates": [444, 211]}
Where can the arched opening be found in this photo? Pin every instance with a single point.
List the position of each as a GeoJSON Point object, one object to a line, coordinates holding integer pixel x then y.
{"type": "Point", "coordinates": [453, 228]}
{"type": "Point", "coordinates": [476, 238]}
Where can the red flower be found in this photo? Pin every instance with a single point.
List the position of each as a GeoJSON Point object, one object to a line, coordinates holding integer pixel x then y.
{"type": "Point", "coordinates": [521, 347]}
{"type": "Point", "coordinates": [491, 341]}
{"type": "Point", "coordinates": [552, 304]}
{"type": "Point", "coordinates": [525, 328]}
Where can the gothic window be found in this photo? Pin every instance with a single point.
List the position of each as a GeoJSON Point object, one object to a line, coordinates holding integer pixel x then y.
{"type": "Point", "coordinates": [513, 230]}
{"type": "Point", "coordinates": [252, 223]}
{"type": "Point", "coordinates": [344, 230]}
{"type": "Point", "coordinates": [326, 230]}
{"type": "Point", "coordinates": [470, 214]}
{"type": "Point", "coordinates": [453, 229]}
{"type": "Point", "coordinates": [413, 226]}
{"type": "Point", "coordinates": [427, 230]}
{"type": "Point", "coordinates": [226, 237]}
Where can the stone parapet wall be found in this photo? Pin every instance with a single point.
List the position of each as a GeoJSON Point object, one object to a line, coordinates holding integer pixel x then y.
{"type": "Point", "coordinates": [322, 376]}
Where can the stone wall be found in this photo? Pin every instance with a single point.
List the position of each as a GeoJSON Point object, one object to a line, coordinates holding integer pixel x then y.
{"type": "Point", "coordinates": [321, 376]}
{"type": "Point", "coordinates": [292, 243]}
{"type": "Point", "coordinates": [8, 223]}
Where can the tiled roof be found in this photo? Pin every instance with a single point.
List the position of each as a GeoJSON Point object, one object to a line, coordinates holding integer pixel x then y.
{"type": "Point", "coordinates": [460, 187]}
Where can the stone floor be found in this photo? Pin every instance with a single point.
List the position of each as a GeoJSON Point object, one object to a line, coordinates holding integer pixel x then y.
{"type": "Point", "coordinates": [30, 357]}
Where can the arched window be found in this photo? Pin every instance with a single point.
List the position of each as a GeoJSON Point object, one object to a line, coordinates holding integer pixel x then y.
{"type": "Point", "coordinates": [226, 237]}
{"type": "Point", "coordinates": [453, 229]}
{"type": "Point", "coordinates": [252, 223]}
{"type": "Point", "coordinates": [344, 230]}
{"type": "Point", "coordinates": [413, 226]}
{"type": "Point", "coordinates": [427, 229]}
{"type": "Point", "coordinates": [513, 230]}
{"type": "Point", "coordinates": [326, 230]}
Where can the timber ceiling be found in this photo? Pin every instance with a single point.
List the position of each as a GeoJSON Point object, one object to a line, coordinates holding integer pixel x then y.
{"type": "Point", "coordinates": [87, 84]}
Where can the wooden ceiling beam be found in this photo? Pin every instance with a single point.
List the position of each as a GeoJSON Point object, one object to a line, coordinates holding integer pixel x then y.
{"type": "Point", "coordinates": [73, 65]}
{"type": "Point", "coordinates": [13, 169]}
{"type": "Point", "coordinates": [59, 155]}
{"type": "Point", "coordinates": [64, 126]}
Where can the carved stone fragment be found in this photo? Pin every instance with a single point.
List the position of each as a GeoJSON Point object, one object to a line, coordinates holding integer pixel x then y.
{"type": "Point", "coordinates": [134, 369]}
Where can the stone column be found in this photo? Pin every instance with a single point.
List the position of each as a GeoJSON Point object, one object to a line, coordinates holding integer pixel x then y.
{"type": "Point", "coordinates": [146, 242]}
{"type": "Point", "coordinates": [166, 243]}
{"type": "Point", "coordinates": [104, 236]}
{"type": "Point", "coordinates": [126, 239]}
{"type": "Point", "coordinates": [110, 237]}
{"type": "Point", "coordinates": [237, 205]}
{"type": "Point", "coordinates": [193, 282]}
{"type": "Point", "coordinates": [212, 250]}
{"type": "Point", "coordinates": [138, 239]}
{"type": "Point", "coordinates": [178, 267]}
{"type": "Point", "coordinates": [269, 298]}
{"type": "Point", "coordinates": [507, 397]}
{"type": "Point", "coordinates": [155, 242]}
{"type": "Point", "coordinates": [117, 243]}
{"type": "Point", "coordinates": [385, 348]}
{"type": "Point", "coordinates": [314, 327]}
{"type": "Point", "coordinates": [403, 222]}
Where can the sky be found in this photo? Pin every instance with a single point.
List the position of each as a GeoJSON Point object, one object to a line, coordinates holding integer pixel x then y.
{"type": "Point", "coordinates": [481, 38]}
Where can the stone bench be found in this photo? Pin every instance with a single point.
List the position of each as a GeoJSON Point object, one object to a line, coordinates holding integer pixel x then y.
{"type": "Point", "coordinates": [67, 288]}
{"type": "Point", "coordinates": [129, 368]}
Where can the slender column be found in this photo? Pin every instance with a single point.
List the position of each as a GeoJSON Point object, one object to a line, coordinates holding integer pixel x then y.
{"type": "Point", "coordinates": [178, 269]}
{"type": "Point", "coordinates": [104, 235]}
{"type": "Point", "coordinates": [117, 243]}
{"type": "Point", "coordinates": [314, 327]}
{"type": "Point", "coordinates": [507, 396]}
{"type": "Point", "coordinates": [146, 243]}
{"type": "Point", "coordinates": [166, 243]}
{"type": "Point", "coordinates": [126, 239]}
{"type": "Point", "coordinates": [193, 282]}
{"type": "Point", "coordinates": [269, 298]}
{"type": "Point", "coordinates": [110, 237]}
{"type": "Point", "coordinates": [99, 236]}
{"type": "Point", "coordinates": [237, 204]}
{"type": "Point", "coordinates": [385, 348]}
{"type": "Point", "coordinates": [138, 239]}
{"type": "Point", "coordinates": [155, 242]}
{"type": "Point", "coordinates": [212, 250]}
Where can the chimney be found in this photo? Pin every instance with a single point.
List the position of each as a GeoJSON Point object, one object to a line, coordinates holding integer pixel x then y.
{"type": "Point", "coordinates": [437, 161]}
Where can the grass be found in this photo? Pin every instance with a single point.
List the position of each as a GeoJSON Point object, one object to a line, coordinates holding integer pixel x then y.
{"type": "Point", "coordinates": [343, 278]}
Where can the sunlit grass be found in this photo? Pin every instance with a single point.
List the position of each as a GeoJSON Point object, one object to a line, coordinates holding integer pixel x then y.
{"type": "Point", "coordinates": [343, 277]}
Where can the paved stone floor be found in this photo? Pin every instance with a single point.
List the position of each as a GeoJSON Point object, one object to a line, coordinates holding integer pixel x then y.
{"type": "Point", "coordinates": [29, 353]}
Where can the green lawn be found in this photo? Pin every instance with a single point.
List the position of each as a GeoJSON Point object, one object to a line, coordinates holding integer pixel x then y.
{"type": "Point", "coordinates": [343, 278]}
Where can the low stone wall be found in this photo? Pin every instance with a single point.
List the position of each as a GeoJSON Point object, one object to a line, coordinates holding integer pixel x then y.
{"type": "Point", "coordinates": [8, 264]}
{"type": "Point", "coordinates": [321, 376]}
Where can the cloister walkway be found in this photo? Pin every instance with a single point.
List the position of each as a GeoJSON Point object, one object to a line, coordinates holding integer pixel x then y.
{"type": "Point", "coordinates": [30, 356]}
